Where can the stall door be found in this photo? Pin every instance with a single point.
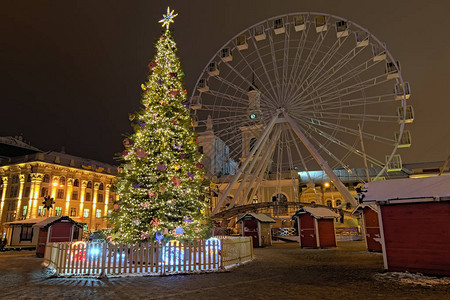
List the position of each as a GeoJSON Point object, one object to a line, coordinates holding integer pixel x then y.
{"type": "Point", "coordinates": [42, 241]}
{"type": "Point", "coordinates": [307, 231]}
{"type": "Point", "coordinates": [251, 229]}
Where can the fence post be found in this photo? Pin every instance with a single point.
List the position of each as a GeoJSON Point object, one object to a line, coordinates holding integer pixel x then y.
{"type": "Point", "coordinates": [221, 253]}
{"type": "Point", "coordinates": [103, 273]}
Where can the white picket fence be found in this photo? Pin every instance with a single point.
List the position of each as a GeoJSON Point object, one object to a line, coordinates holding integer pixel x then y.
{"type": "Point", "coordinates": [105, 259]}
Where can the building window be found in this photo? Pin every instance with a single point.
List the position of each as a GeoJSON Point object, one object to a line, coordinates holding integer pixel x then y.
{"type": "Point", "coordinates": [329, 203]}
{"type": "Point", "coordinates": [10, 217]}
{"type": "Point", "coordinates": [58, 211]}
{"type": "Point", "coordinates": [109, 212]}
{"type": "Point", "coordinates": [27, 233]}
{"type": "Point", "coordinates": [100, 198]}
{"type": "Point", "coordinates": [89, 185]}
{"type": "Point", "coordinates": [29, 178]}
{"type": "Point", "coordinates": [76, 182]}
{"type": "Point", "coordinates": [100, 187]}
{"type": "Point", "coordinates": [338, 202]}
{"type": "Point", "coordinates": [98, 213]}
{"type": "Point", "coordinates": [15, 179]}
{"type": "Point", "coordinates": [86, 213]}
{"type": "Point", "coordinates": [62, 181]}
{"type": "Point", "coordinates": [87, 197]}
{"type": "Point", "coordinates": [60, 194]}
{"type": "Point", "coordinates": [13, 192]}
{"type": "Point", "coordinates": [73, 212]}
{"type": "Point", "coordinates": [40, 210]}
{"type": "Point", "coordinates": [200, 149]}
{"type": "Point", "coordinates": [75, 195]}
{"type": "Point", "coordinates": [24, 210]}
{"type": "Point", "coordinates": [27, 192]}
{"type": "Point", "coordinates": [46, 178]}
{"type": "Point", "coordinates": [12, 205]}
{"type": "Point", "coordinates": [44, 192]}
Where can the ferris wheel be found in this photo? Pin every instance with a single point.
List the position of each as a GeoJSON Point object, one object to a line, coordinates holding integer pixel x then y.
{"type": "Point", "coordinates": [300, 92]}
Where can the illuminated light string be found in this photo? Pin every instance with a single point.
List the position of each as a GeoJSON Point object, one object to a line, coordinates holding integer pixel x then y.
{"type": "Point", "coordinates": [162, 123]}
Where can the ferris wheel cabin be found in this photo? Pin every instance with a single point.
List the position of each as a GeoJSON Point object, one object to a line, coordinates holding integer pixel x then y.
{"type": "Point", "coordinates": [392, 69]}
{"type": "Point", "coordinates": [341, 29]}
{"type": "Point", "coordinates": [203, 85]}
{"type": "Point", "coordinates": [259, 33]}
{"type": "Point", "coordinates": [409, 118]}
{"type": "Point", "coordinates": [362, 39]}
{"type": "Point", "coordinates": [225, 55]}
{"type": "Point", "coordinates": [405, 141]}
{"type": "Point", "coordinates": [213, 69]}
{"type": "Point", "coordinates": [395, 164]}
{"type": "Point", "coordinates": [321, 24]}
{"type": "Point", "coordinates": [196, 103]}
{"type": "Point", "coordinates": [241, 42]}
{"type": "Point", "coordinates": [379, 52]}
{"type": "Point", "coordinates": [278, 26]}
{"type": "Point", "coordinates": [299, 23]}
{"type": "Point", "coordinates": [400, 92]}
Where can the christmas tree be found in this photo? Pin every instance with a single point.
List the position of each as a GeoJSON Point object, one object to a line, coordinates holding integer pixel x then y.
{"type": "Point", "coordinates": [161, 178]}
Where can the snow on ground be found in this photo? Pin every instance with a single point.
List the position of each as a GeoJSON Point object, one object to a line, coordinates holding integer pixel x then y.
{"type": "Point", "coordinates": [413, 278]}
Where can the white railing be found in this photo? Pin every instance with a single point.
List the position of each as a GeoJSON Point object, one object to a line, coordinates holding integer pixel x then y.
{"type": "Point", "coordinates": [289, 231]}
{"type": "Point", "coordinates": [105, 259]}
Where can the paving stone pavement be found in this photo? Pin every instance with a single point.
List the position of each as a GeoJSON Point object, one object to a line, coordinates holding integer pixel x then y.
{"type": "Point", "coordinates": [283, 271]}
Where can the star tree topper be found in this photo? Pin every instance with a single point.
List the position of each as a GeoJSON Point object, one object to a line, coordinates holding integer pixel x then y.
{"type": "Point", "coordinates": [168, 18]}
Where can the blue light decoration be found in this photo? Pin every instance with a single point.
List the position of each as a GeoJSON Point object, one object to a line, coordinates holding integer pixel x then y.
{"type": "Point", "coordinates": [212, 246]}
{"type": "Point", "coordinates": [159, 237]}
{"type": "Point", "coordinates": [253, 116]}
{"type": "Point", "coordinates": [94, 251]}
{"type": "Point", "coordinates": [174, 255]}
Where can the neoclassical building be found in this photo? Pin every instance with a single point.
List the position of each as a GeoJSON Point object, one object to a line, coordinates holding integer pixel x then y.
{"type": "Point", "coordinates": [83, 189]}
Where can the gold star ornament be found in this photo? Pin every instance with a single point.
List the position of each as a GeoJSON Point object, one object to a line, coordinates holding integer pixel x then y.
{"type": "Point", "coordinates": [168, 18]}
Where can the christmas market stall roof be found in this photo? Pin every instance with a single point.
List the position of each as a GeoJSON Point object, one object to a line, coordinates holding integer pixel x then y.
{"type": "Point", "coordinates": [360, 208]}
{"type": "Point", "coordinates": [45, 221]}
{"type": "Point", "coordinates": [260, 217]}
{"type": "Point", "coordinates": [318, 212]}
{"type": "Point", "coordinates": [403, 190]}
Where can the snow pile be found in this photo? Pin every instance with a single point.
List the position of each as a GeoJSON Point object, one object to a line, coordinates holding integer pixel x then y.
{"type": "Point", "coordinates": [413, 278]}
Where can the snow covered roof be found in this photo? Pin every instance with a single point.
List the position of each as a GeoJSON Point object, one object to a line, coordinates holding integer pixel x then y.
{"type": "Point", "coordinates": [44, 222]}
{"type": "Point", "coordinates": [318, 212]}
{"type": "Point", "coordinates": [426, 188]}
{"type": "Point", "coordinates": [260, 217]}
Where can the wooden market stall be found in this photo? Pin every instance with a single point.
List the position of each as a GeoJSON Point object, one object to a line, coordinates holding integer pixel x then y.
{"type": "Point", "coordinates": [369, 226]}
{"type": "Point", "coordinates": [414, 217]}
{"type": "Point", "coordinates": [36, 233]}
{"type": "Point", "coordinates": [316, 227]}
{"type": "Point", "coordinates": [257, 226]}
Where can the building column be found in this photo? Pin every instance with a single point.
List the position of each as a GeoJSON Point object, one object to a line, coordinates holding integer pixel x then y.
{"type": "Point", "coordinates": [107, 190]}
{"type": "Point", "coordinates": [82, 195]}
{"type": "Point", "coordinates": [54, 189]}
{"type": "Point", "coordinates": [19, 201]}
{"type": "Point", "coordinates": [68, 195]}
{"type": "Point", "coordinates": [94, 204]}
{"type": "Point", "coordinates": [2, 203]}
{"type": "Point", "coordinates": [33, 208]}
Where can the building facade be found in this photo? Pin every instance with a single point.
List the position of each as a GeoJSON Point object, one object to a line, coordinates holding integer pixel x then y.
{"type": "Point", "coordinates": [81, 188]}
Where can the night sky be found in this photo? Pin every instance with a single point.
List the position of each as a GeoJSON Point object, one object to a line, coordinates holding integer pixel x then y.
{"type": "Point", "coordinates": [71, 70]}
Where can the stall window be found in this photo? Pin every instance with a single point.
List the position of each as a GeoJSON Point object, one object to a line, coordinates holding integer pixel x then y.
{"type": "Point", "coordinates": [27, 233]}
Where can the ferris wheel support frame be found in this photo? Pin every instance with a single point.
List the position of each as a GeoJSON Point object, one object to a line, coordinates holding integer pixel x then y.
{"type": "Point", "coordinates": [322, 163]}
{"type": "Point", "coordinates": [244, 165]}
{"type": "Point", "coordinates": [257, 150]}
